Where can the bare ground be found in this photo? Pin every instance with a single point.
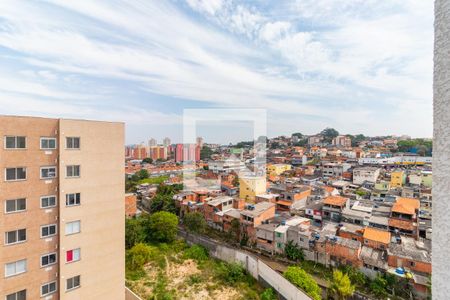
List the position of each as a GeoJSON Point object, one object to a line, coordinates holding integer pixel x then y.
{"type": "Point", "coordinates": [185, 281]}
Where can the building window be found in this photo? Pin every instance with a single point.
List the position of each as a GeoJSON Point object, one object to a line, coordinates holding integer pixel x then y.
{"type": "Point", "coordinates": [48, 143]}
{"type": "Point", "coordinates": [72, 142]}
{"type": "Point", "coordinates": [12, 174]}
{"type": "Point", "coordinates": [48, 201]}
{"type": "Point", "coordinates": [48, 259]}
{"type": "Point", "coordinates": [73, 199]}
{"type": "Point", "coordinates": [73, 255]}
{"type": "Point", "coordinates": [73, 227]}
{"type": "Point", "coordinates": [15, 142]}
{"type": "Point", "coordinates": [73, 283]}
{"type": "Point", "coordinates": [48, 288]}
{"type": "Point", "coordinates": [48, 172]}
{"type": "Point", "coordinates": [278, 234]}
{"type": "Point", "coordinates": [20, 295]}
{"type": "Point", "coordinates": [73, 171]}
{"type": "Point", "coordinates": [48, 230]}
{"type": "Point", "coordinates": [15, 268]}
{"type": "Point", "coordinates": [15, 205]}
{"type": "Point", "coordinates": [412, 264]}
{"type": "Point", "coordinates": [15, 236]}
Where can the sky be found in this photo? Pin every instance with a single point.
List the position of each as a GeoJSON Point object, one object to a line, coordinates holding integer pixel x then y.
{"type": "Point", "coordinates": [359, 66]}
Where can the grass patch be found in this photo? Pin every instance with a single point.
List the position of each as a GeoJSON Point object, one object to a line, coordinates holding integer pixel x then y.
{"type": "Point", "coordinates": [197, 253]}
{"type": "Point", "coordinates": [153, 180]}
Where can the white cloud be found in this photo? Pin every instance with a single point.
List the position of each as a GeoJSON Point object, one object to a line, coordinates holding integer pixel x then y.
{"type": "Point", "coordinates": [208, 6]}
{"type": "Point", "coordinates": [272, 31]}
{"type": "Point", "coordinates": [313, 62]}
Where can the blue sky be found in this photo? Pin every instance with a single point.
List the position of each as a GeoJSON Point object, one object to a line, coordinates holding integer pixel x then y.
{"type": "Point", "coordinates": [360, 66]}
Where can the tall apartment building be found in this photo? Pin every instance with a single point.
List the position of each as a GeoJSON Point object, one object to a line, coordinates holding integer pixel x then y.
{"type": "Point", "coordinates": [187, 152]}
{"type": "Point", "coordinates": [342, 140]}
{"type": "Point", "coordinates": [166, 142]}
{"type": "Point", "coordinates": [62, 194]}
{"type": "Point", "coordinates": [158, 152]}
{"type": "Point", "coordinates": [152, 142]}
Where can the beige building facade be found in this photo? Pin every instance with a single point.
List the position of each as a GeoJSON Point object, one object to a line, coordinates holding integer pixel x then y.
{"type": "Point", "coordinates": [62, 196]}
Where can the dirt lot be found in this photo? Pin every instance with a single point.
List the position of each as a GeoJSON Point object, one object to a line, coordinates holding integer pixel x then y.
{"type": "Point", "coordinates": [173, 276]}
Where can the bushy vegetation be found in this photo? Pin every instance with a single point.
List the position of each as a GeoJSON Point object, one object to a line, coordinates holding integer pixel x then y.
{"type": "Point", "coordinates": [268, 294]}
{"type": "Point", "coordinates": [197, 253]}
{"type": "Point", "coordinates": [148, 265]}
{"type": "Point", "coordinates": [231, 272]}
{"type": "Point", "coordinates": [195, 222]}
{"type": "Point", "coordinates": [420, 146]}
{"type": "Point", "coordinates": [134, 232]}
{"type": "Point", "coordinates": [162, 226]}
{"type": "Point", "coordinates": [293, 252]}
{"type": "Point", "coordinates": [158, 227]}
{"type": "Point", "coordinates": [138, 256]}
{"type": "Point", "coordinates": [341, 286]}
{"type": "Point", "coordinates": [303, 280]}
{"type": "Point", "coordinates": [205, 153]}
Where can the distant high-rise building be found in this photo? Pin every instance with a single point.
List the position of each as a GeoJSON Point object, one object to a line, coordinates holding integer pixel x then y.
{"type": "Point", "coordinates": [63, 198]}
{"type": "Point", "coordinates": [166, 141]}
{"type": "Point", "coordinates": [152, 142]}
{"type": "Point", "coordinates": [342, 140]}
{"type": "Point", "coordinates": [137, 151]}
{"type": "Point", "coordinates": [315, 140]}
{"type": "Point", "coordinates": [187, 152]}
{"type": "Point", "coordinates": [200, 142]}
{"type": "Point", "coordinates": [158, 152]}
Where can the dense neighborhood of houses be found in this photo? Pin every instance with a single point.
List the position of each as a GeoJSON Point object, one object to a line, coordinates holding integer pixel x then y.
{"type": "Point", "coordinates": [363, 204]}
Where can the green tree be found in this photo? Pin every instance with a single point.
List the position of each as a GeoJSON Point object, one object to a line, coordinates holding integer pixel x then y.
{"type": "Point", "coordinates": [205, 153]}
{"type": "Point", "coordinates": [378, 286]}
{"type": "Point", "coordinates": [298, 134]}
{"type": "Point", "coordinates": [341, 286]}
{"type": "Point", "coordinates": [147, 160]}
{"type": "Point", "coordinates": [356, 277]}
{"type": "Point", "coordinates": [169, 190]}
{"type": "Point", "coordinates": [268, 294]}
{"type": "Point", "coordinates": [422, 147]}
{"type": "Point", "coordinates": [163, 226]}
{"type": "Point", "coordinates": [138, 256]}
{"type": "Point", "coordinates": [134, 232]}
{"type": "Point", "coordinates": [274, 145]}
{"type": "Point", "coordinates": [293, 252]}
{"type": "Point", "coordinates": [329, 134]}
{"type": "Point", "coordinates": [303, 280]}
{"type": "Point", "coordinates": [301, 143]}
{"type": "Point", "coordinates": [142, 174]}
{"type": "Point", "coordinates": [162, 202]}
{"type": "Point", "coordinates": [195, 222]}
{"type": "Point", "coordinates": [357, 139]}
